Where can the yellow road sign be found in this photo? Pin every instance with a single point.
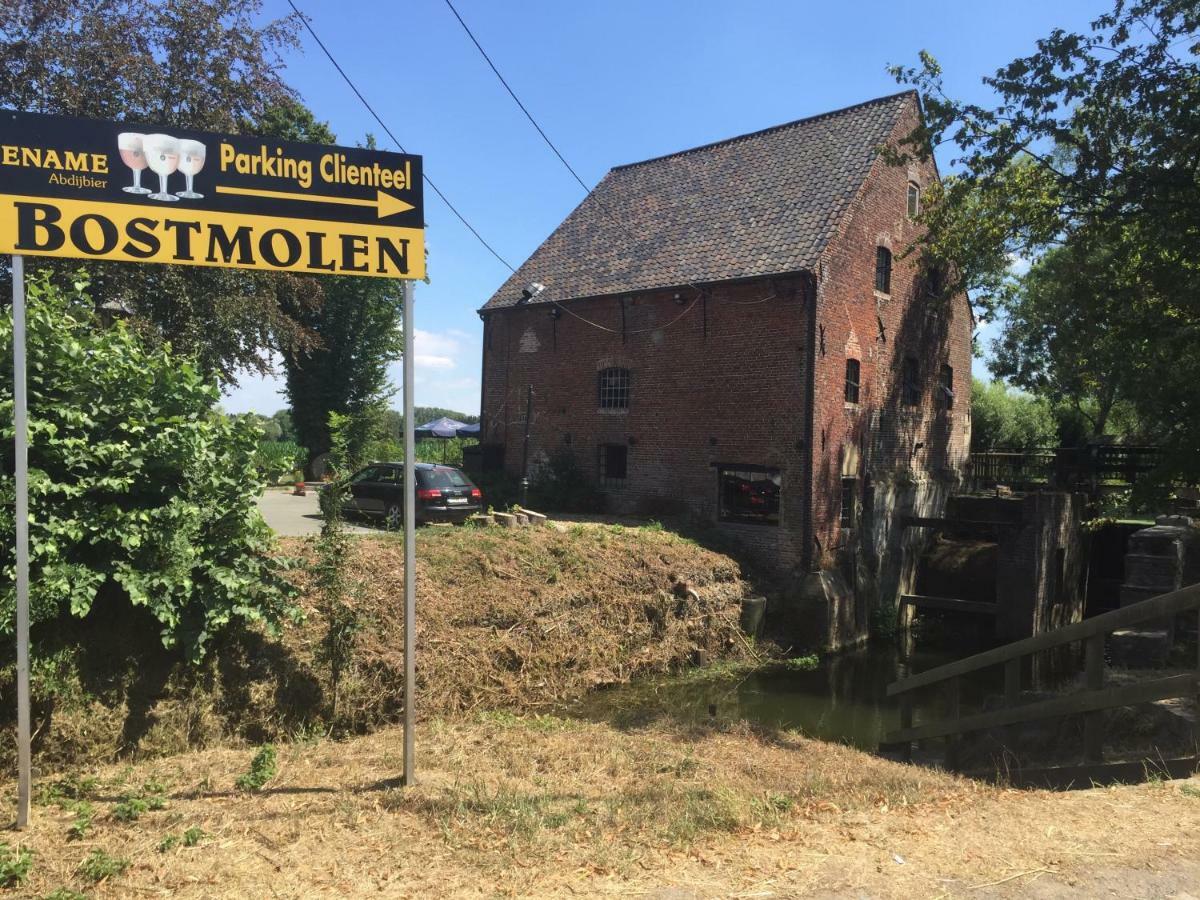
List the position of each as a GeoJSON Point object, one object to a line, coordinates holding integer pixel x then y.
{"type": "Point", "coordinates": [74, 187]}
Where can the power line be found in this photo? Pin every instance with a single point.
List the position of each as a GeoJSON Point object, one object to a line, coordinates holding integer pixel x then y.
{"type": "Point", "coordinates": [590, 191]}
{"type": "Point", "coordinates": [304, 20]}
{"type": "Point", "coordinates": [516, 99]}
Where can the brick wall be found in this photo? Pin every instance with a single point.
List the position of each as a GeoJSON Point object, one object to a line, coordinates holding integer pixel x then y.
{"type": "Point", "coordinates": [725, 381]}
{"type": "Point", "coordinates": [717, 380]}
{"type": "Point", "coordinates": [877, 438]}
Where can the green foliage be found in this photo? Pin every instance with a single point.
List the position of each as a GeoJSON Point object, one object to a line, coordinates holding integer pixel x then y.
{"type": "Point", "coordinates": [1002, 418]}
{"type": "Point", "coordinates": [81, 825]}
{"type": "Point", "coordinates": [189, 838]}
{"type": "Point", "coordinates": [342, 621]}
{"type": "Point", "coordinates": [806, 663]}
{"type": "Point", "coordinates": [275, 460]}
{"type": "Point", "coordinates": [359, 328]}
{"type": "Point", "coordinates": [14, 865]}
{"type": "Point", "coordinates": [1085, 166]}
{"type": "Point", "coordinates": [287, 430]}
{"type": "Point", "coordinates": [351, 436]}
{"type": "Point", "coordinates": [133, 805]}
{"type": "Point", "coordinates": [63, 893]}
{"type": "Point", "coordinates": [99, 865]}
{"type": "Point", "coordinates": [263, 768]}
{"type": "Point", "coordinates": [136, 485]}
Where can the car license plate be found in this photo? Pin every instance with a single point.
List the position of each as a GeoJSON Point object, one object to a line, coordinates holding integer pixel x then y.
{"type": "Point", "coordinates": [456, 500]}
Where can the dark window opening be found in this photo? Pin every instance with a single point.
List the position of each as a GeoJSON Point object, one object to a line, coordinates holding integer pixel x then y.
{"type": "Point", "coordinates": [910, 386]}
{"type": "Point", "coordinates": [613, 387]}
{"type": "Point", "coordinates": [849, 502]}
{"type": "Point", "coordinates": [614, 464]}
{"type": "Point", "coordinates": [748, 494]}
{"type": "Point", "coordinates": [935, 281]}
{"type": "Point", "coordinates": [852, 380]}
{"type": "Point", "coordinates": [883, 270]}
{"type": "Point", "coordinates": [914, 199]}
{"type": "Point", "coordinates": [946, 389]}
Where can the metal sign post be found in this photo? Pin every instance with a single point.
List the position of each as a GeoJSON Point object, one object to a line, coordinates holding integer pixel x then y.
{"type": "Point", "coordinates": [21, 452]}
{"type": "Point", "coordinates": [410, 537]}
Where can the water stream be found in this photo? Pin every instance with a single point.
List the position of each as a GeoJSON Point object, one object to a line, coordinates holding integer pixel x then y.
{"type": "Point", "coordinates": [844, 698]}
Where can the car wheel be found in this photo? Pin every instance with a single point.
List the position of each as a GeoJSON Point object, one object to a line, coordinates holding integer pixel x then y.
{"type": "Point", "coordinates": [394, 517]}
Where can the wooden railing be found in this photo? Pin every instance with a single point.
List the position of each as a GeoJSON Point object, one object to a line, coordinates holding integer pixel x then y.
{"type": "Point", "coordinates": [1092, 701]}
{"type": "Point", "coordinates": [1066, 466]}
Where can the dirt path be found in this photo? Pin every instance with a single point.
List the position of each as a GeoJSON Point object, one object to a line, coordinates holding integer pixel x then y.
{"type": "Point", "coordinates": [542, 807]}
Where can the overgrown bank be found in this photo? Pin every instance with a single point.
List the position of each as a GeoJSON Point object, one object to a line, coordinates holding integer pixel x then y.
{"type": "Point", "coordinates": [520, 620]}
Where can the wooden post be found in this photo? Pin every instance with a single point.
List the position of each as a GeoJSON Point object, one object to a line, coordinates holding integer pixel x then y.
{"type": "Point", "coordinates": [1093, 723]}
{"type": "Point", "coordinates": [906, 720]}
{"type": "Point", "coordinates": [953, 713]}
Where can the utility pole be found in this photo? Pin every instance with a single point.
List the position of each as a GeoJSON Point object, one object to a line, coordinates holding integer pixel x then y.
{"type": "Point", "coordinates": [410, 538]}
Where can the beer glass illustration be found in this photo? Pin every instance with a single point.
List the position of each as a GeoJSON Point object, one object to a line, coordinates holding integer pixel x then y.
{"type": "Point", "coordinates": [129, 143]}
{"type": "Point", "coordinates": [191, 161]}
{"type": "Point", "coordinates": [162, 155]}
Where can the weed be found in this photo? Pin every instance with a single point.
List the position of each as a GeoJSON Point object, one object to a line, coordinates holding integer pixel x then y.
{"type": "Point", "coordinates": [99, 865]}
{"type": "Point", "coordinates": [190, 838]}
{"type": "Point", "coordinates": [82, 824]}
{"type": "Point", "coordinates": [806, 663]}
{"type": "Point", "coordinates": [66, 789]}
{"type": "Point", "coordinates": [263, 768]}
{"type": "Point", "coordinates": [133, 805]}
{"type": "Point", "coordinates": [1189, 790]}
{"type": "Point", "coordinates": [14, 865]}
{"type": "Point", "coordinates": [63, 893]}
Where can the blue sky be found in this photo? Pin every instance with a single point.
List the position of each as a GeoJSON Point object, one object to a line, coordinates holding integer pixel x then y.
{"type": "Point", "coordinates": [611, 82]}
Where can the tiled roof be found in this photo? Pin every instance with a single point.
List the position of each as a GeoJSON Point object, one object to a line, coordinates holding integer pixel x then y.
{"type": "Point", "coordinates": [759, 204]}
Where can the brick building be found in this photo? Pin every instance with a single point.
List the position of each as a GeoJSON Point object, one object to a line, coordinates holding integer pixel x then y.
{"type": "Point", "coordinates": [736, 330]}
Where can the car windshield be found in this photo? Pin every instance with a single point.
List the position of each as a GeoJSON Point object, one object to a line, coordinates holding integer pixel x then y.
{"type": "Point", "coordinates": [443, 478]}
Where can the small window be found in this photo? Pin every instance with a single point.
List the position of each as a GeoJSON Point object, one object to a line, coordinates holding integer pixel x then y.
{"type": "Point", "coordinates": [883, 270]}
{"type": "Point", "coordinates": [849, 502]}
{"type": "Point", "coordinates": [852, 376]}
{"type": "Point", "coordinates": [749, 494]}
{"type": "Point", "coordinates": [914, 199]}
{"type": "Point", "coordinates": [910, 387]}
{"type": "Point", "coordinates": [613, 385]}
{"type": "Point", "coordinates": [614, 464]}
{"type": "Point", "coordinates": [946, 389]}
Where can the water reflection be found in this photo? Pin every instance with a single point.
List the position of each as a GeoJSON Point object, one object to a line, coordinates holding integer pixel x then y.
{"type": "Point", "coordinates": [843, 699]}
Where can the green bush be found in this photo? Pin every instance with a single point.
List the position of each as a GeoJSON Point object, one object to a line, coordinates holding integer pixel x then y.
{"type": "Point", "coordinates": [138, 488]}
{"type": "Point", "coordinates": [263, 768]}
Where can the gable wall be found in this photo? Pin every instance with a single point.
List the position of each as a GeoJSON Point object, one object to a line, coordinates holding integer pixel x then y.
{"type": "Point", "coordinates": [721, 381]}
{"type": "Point", "coordinates": [880, 430]}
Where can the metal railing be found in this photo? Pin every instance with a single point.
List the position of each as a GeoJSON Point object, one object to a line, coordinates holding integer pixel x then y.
{"type": "Point", "coordinates": [1092, 701]}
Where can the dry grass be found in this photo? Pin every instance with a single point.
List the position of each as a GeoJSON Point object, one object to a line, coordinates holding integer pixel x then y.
{"type": "Point", "coordinates": [510, 806]}
{"type": "Point", "coordinates": [517, 619]}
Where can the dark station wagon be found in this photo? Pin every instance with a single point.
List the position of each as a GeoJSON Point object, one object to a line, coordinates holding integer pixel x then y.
{"type": "Point", "coordinates": [444, 494]}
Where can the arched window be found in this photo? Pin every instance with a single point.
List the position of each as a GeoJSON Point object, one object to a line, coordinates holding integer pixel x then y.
{"type": "Point", "coordinates": [914, 199]}
{"type": "Point", "coordinates": [852, 380]}
{"type": "Point", "coordinates": [613, 388]}
{"type": "Point", "coordinates": [883, 270]}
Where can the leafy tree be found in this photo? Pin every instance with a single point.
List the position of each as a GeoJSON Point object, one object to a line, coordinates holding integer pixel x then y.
{"type": "Point", "coordinates": [287, 431]}
{"type": "Point", "coordinates": [208, 64]}
{"type": "Point", "coordinates": [1091, 148]}
{"type": "Point", "coordinates": [356, 334]}
{"type": "Point", "coordinates": [1058, 339]}
{"type": "Point", "coordinates": [138, 488]}
{"type": "Point", "coordinates": [1011, 420]}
